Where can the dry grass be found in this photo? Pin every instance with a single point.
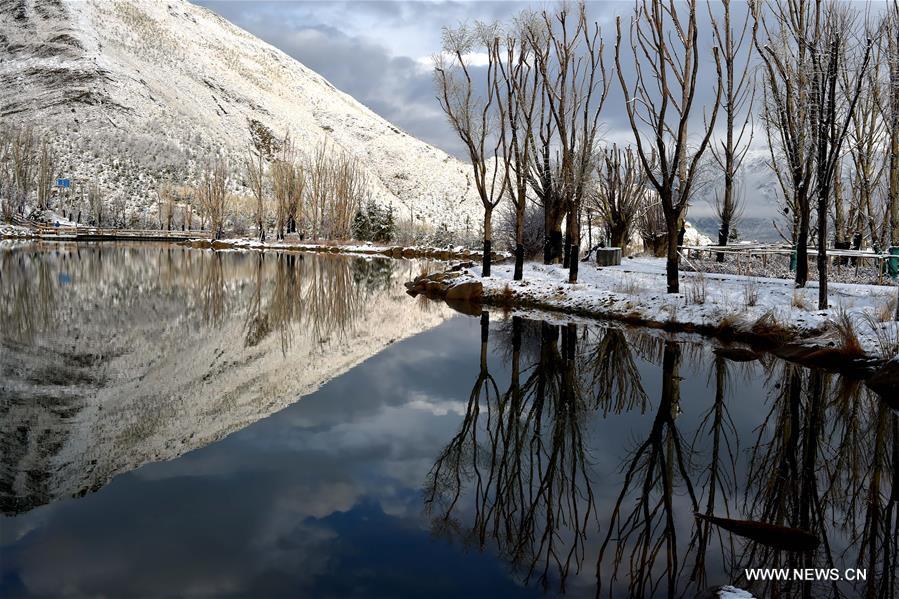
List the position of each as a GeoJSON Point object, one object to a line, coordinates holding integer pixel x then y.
{"type": "Point", "coordinates": [843, 324]}
{"type": "Point", "coordinates": [799, 300]}
{"type": "Point", "coordinates": [751, 292]}
{"type": "Point", "coordinates": [628, 285]}
{"type": "Point", "coordinates": [886, 310]}
{"type": "Point", "coordinates": [697, 289]}
{"type": "Point", "coordinates": [726, 327]}
{"type": "Point", "coordinates": [425, 270]}
{"type": "Point", "coordinates": [887, 337]}
{"type": "Point", "coordinates": [770, 329]}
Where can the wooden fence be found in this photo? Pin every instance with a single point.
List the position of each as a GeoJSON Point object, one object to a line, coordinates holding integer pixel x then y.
{"type": "Point", "coordinates": [763, 251]}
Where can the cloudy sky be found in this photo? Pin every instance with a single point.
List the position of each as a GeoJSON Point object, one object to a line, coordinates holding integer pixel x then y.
{"type": "Point", "coordinates": [378, 51]}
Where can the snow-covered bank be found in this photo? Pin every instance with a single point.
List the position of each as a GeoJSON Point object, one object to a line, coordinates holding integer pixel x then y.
{"type": "Point", "coordinates": [751, 308]}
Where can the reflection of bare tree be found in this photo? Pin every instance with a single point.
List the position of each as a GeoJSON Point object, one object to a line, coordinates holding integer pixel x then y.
{"type": "Point", "coordinates": [647, 532]}
{"type": "Point", "coordinates": [829, 468]}
{"type": "Point", "coordinates": [615, 378]}
{"type": "Point", "coordinates": [212, 289]}
{"type": "Point", "coordinates": [783, 476]}
{"type": "Point", "coordinates": [27, 296]}
{"type": "Point", "coordinates": [717, 424]}
{"type": "Point", "coordinates": [325, 295]}
{"type": "Point", "coordinates": [531, 490]}
{"type": "Point", "coordinates": [257, 324]}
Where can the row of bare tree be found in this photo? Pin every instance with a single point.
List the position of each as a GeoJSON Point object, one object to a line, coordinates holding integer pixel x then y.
{"type": "Point", "coordinates": [531, 130]}
{"type": "Point", "coordinates": [316, 194]}
{"type": "Point", "coordinates": [27, 165]}
{"type": "Point", "coordinates": [529, 121]}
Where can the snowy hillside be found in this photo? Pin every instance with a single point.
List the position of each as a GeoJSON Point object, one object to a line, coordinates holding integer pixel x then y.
{"type": "Point", "coordinates": [139, 92]}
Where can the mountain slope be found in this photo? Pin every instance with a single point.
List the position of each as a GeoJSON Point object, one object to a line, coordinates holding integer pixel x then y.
{"type": "Point", "coordinates": [143, 91]}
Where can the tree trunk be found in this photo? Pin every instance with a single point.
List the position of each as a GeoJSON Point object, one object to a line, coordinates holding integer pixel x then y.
{"type": "Point", "coordinates": [802, 244]}
{"type": "Point", "coordinates": [573, 265]}
{"type": "Point", "coordinates": [552, 240]}
{"type": "Point", "coordinates": [519, 242]}
{"type": "Point", "coordinates": [617, 233]}
{"type": "Point", "coordinates": [671, 262]}
{"type": "Point", "coordinates": [488, 224]}
{"type": "Point", "coordinates": [822, 251]}
{"type": "Point", "coordinates": [723, 234]}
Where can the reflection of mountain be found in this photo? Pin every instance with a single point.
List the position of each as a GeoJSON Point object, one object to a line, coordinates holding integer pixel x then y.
{"type": "Point", "coordinates": [114, 357]}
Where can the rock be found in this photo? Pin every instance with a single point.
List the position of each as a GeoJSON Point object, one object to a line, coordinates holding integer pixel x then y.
{"type": "Point", "coordinates": [471, 291]}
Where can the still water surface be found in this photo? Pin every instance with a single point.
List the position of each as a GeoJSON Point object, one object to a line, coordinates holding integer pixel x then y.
{"type": "Point", "coordinates": [184, 422]}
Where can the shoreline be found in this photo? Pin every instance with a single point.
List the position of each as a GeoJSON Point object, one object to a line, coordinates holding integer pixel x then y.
{"type": "Point", "coordinates": [772, 324]}
{"type": "Point", "coordinates": [797, 334]}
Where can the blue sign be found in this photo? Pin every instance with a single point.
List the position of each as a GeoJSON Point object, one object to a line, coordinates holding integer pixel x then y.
{"type": "Point", "coordinates": [63, 183]}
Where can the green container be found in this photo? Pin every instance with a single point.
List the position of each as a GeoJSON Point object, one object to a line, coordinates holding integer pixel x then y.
{"type": "Point", "coordinates": [893, 263]}
{"type": "Point", "coordinates": [793, 260]}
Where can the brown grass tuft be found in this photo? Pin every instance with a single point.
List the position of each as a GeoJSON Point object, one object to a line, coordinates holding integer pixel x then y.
{"type": "Point", "coordinates": [847, 334]}
{"type": "Point", "coordinates": [726, 327]}
{"type": "Point", "coordinates": [799, 300]}
{"type": "Point", "coordinates": [770, 329]}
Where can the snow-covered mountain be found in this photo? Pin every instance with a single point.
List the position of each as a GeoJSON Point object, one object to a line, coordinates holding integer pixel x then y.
{"type": "Point", "coordinates": [140, 91]}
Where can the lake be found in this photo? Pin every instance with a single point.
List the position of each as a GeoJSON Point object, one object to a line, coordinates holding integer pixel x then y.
{"type": "Point", "coordinates": [187, 422]}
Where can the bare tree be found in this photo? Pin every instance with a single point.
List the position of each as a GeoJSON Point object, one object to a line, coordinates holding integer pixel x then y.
{"type": "Point", "coordinates": [892, 35]}
{"type": "Point", "coordinates": [736, 103]}
{"type": "Point", "coordinates": [166, 206]}
{"type": "Point", "coordinates": [95, 203]}
{"type": "Point", "coordinates": [867, 140]}
{"type": "Point", "coordinates": [620, 193]}
{"type": "Point", "coordinates": [24, 156]}
{"type": "Point", "coordinates": [284, 180]}
{"type": "Point", "coordinates": [470, 114]}
{"type": "Point", "coordinates": [254, 165]}
{"type": "Point", "coordinates": [7, 175]}
{"type": "Point", "coordinates": [45, 172]}
{"type": "Point", "coordinates": [212, 194]}
{"type": "Point", "coordinates": [568, 52]}
{"type": "Point", "coordinates": [335, 186]}
{"type": "Point", "coordinates": [831, 115]}
{"type": "Point", "coordinates": [516, 92]}
{"type": "Point", "coordinates": [663, 103]}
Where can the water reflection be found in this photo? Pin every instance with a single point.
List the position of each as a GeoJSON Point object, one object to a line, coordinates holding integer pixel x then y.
{"type": "Point", "coordinates": [115, 355]}
{"type": "Point", "coordinates": [807, 482]}
{"type": "Point", "coordinates": [572, 458]}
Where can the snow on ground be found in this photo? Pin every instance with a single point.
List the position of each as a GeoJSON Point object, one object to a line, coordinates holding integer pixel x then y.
{"type": "Point", "coordinates": [636, 290]}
